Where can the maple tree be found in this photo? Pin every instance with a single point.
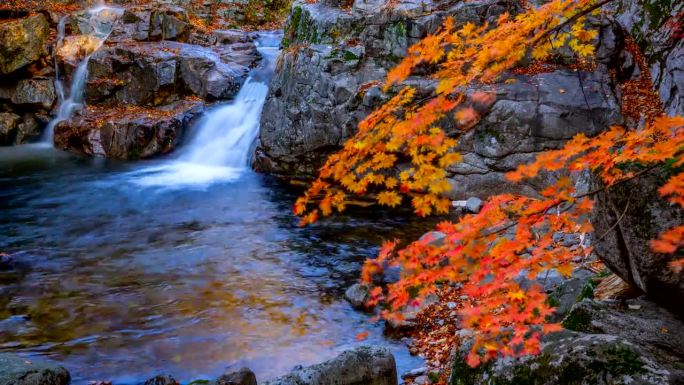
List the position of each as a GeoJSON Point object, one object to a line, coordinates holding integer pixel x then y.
{"type": "Point", "coordinates": [401, 152]}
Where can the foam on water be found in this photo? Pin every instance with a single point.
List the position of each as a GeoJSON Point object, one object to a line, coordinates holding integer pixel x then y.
{"type": "Point", "coordinates": [220, 150]}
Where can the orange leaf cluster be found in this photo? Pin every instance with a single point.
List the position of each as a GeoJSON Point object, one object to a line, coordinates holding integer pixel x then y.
{"type": "Point", "coordinates": [400, 151]}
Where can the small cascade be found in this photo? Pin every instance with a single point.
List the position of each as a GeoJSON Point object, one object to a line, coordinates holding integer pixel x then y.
{"type": "Point", "coordinates": [220, 148]}
{"type": "Point", "coordinates": [99, 22]}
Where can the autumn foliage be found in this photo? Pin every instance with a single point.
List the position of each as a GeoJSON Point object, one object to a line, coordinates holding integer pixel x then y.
{"type": "Point", "coordinates": [401, 151]}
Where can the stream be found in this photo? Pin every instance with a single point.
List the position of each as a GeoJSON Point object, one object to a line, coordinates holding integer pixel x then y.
{"type": "Point", "coordinates": [185, 265]}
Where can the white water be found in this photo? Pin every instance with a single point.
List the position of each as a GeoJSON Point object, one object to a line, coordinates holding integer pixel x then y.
{"type": "Point", "coordinates": [220, 149]}
{"type": "Point", "coordinates": [68, 103]}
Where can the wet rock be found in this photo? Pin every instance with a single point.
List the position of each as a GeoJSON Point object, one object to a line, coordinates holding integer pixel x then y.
{"type": "Point", "coordinates": [28, 130]}
{"type": "Point", "coordinates": [162, 380]}
{"type": "Point", "coordinates": [129, 134]}
{"type": "Point", "coordinates": [570, 358]}
{"type": "Point", "coordinates": [22, 41]}
{"type": "Point", "coordinates": [357, 295]}
{"type": "Point", "coordinates": [8, 127]}
{"type": "Point", "coordinates": [37, 91]}
{"type": "Point", "coordinates": [244, 376]}
{"type": "Point", "coordinates": [16, 370]}
{"type": "Point", "coordinates": [365, 365]}
{"type": "Point", "coordinates": [160, 73]}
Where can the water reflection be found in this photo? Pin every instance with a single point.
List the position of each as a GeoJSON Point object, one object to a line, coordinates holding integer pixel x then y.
{"type": "Point", "coordinates": [122, 282]}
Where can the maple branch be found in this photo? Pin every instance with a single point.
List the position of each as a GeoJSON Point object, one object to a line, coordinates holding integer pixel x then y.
{"type": "Point", "coordinates": [570, 20]}
{"type": "Point", "coordinates": [617, 222]}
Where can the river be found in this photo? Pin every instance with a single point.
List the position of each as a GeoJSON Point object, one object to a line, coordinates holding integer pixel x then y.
{"type": "Point", "coordinates": [184, 265]}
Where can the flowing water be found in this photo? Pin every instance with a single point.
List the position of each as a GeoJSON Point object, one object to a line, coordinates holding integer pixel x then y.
{"type": "Point", "coordinates": [186, 265]}
{"type": "Point", "coordinates": [100, 20]}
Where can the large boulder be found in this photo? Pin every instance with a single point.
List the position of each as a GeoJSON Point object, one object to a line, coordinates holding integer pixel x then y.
{"type": "Point", "coordinates": [22, 41]}
{"type": "Point", "coordinates": [629, 215]}
{"type": "Point", "coordinates": [158, 73]}
{"type": "Point", "coordinates": [129, 133]}
{"type": "Point", "coordinates": [16, 370]}
{"type": "Point", "coordinates": [360, 366]}
{"type": "Point", "coordinates": [570, 358]}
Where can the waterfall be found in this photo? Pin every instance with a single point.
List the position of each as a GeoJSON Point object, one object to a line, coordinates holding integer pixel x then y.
{"type": "Point", "coordinates": [100, 22]}
{"type": "Point", "coordinates": [223, 138]}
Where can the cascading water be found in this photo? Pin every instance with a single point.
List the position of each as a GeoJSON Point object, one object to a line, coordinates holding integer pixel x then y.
{"type": "Point", "coordinates": [100, 21]}
{"type": "Point", "coordinates": [220, 149]}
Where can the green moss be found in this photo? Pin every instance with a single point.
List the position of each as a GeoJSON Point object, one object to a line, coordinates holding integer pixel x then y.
{"type": "Point", "coordinates": [199, 382]}
{"type": "Point", "coordinates": [578, 320]}
{"type": "Point", "coordinates": [350, 56]}
{"type": "Point", "coordinates": [587, 290]}
{"type": "Point", "coordinates": [620, 360]}
{"type": "Point", "coordinates": [552, 301]}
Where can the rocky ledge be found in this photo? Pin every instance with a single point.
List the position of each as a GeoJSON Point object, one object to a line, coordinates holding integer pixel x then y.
{"type": "Point", "coordinates": [131, 132]}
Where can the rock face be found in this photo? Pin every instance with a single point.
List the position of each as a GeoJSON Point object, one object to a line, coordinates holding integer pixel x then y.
{"type": "Point", "coordinates": [328, 76]}
{"type": "Point", "coordinates": [131, 134]}
{"type": "Point", "coordinates": [22, 41]}
{"type": "Point", "coordinates": [16, 370]}
{"type": "Point", "coordinates": [244, 376]}
{"type": "Point", "coordinates": [150, 79]}
{"type": "Point", "coordinates": [361, 366]}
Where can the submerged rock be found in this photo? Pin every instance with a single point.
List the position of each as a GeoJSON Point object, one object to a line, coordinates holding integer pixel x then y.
{"type": "Point", "coordinates": [367, 365]}
{"type": "Point", "coordinates": [17, 370]}
{"type": "Point", "coordinates": [244, 376]}
{"type": "Point", "coordinates": [128, 133]}
{"type": "Point", "coordinates": [22, 41]}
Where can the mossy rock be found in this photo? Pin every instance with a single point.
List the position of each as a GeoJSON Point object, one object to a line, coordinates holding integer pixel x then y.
{"type": "Point", "coordinates": [568, 358]}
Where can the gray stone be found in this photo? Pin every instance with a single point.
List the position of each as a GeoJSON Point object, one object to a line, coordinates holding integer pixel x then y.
{"type": "Point", "coordinates": [357, 295]}
{"type": "Point", "coordinates": [474, 205]}
{"type": "Point", "coordinates": [366, 365]}
{"type": "Point", "coordinates": [16, 370]}
{"type": "Point", "coordinates": [244, 376]}
{"type": "Point", "coordinates": [641, 321]}
{"type": "Point", "coordinates": [628, 216]}
{"type": "Point", "coordinates": [434, 238]}
{"type": "Point", "coordinates": [36, 91]}
{"type": "Point", "coordinates": [22, 41]}
{"type": "Point", "coordinates": [27, 130]}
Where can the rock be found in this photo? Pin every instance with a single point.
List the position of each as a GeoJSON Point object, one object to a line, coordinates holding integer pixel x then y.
{"type": "Point", "coordinates": [128, 134]}
{"type": "Point", "coordinates": [415, 373]}
{"type": "Point", "coordinates": [571, 291]}
{"type": "Point", "coordinates": [162, 380]}
{"type": "Point", "coordinates": [642, 322]}
{"type": "Point", "coordinates": [643, 215]}
{"type": "Point", "coordinates": [22, 41]}
{"type": "Point", "coordinates": [16, 370]}
{"type": "Point", "coordinates": [328, 80]}
{"type": "Point", "coordinates": [474, 205]}
{"type": "Point", "coordinates": [433, 238]}
{"type": "Point", "coordinates": [244, 376]}
{"type": "Point", "coordinates": [36, 91]}
{"type": "Point", "coordinates": [357, 295]}
{"type": "Point", "coordinates": [162, 72]}
{"type": "Point", "coordinates": [168, 23]}
{"type": "Point", "coordinates": [28, 130]}
{"type": "Point", "coordinates": [367, 365]}
{"type": "Point", "coordinates": [421, 380]}
{"type": "Point", "coordinates": [570, 358]}
{"type": "Point", "coordinates": [8, 127]}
